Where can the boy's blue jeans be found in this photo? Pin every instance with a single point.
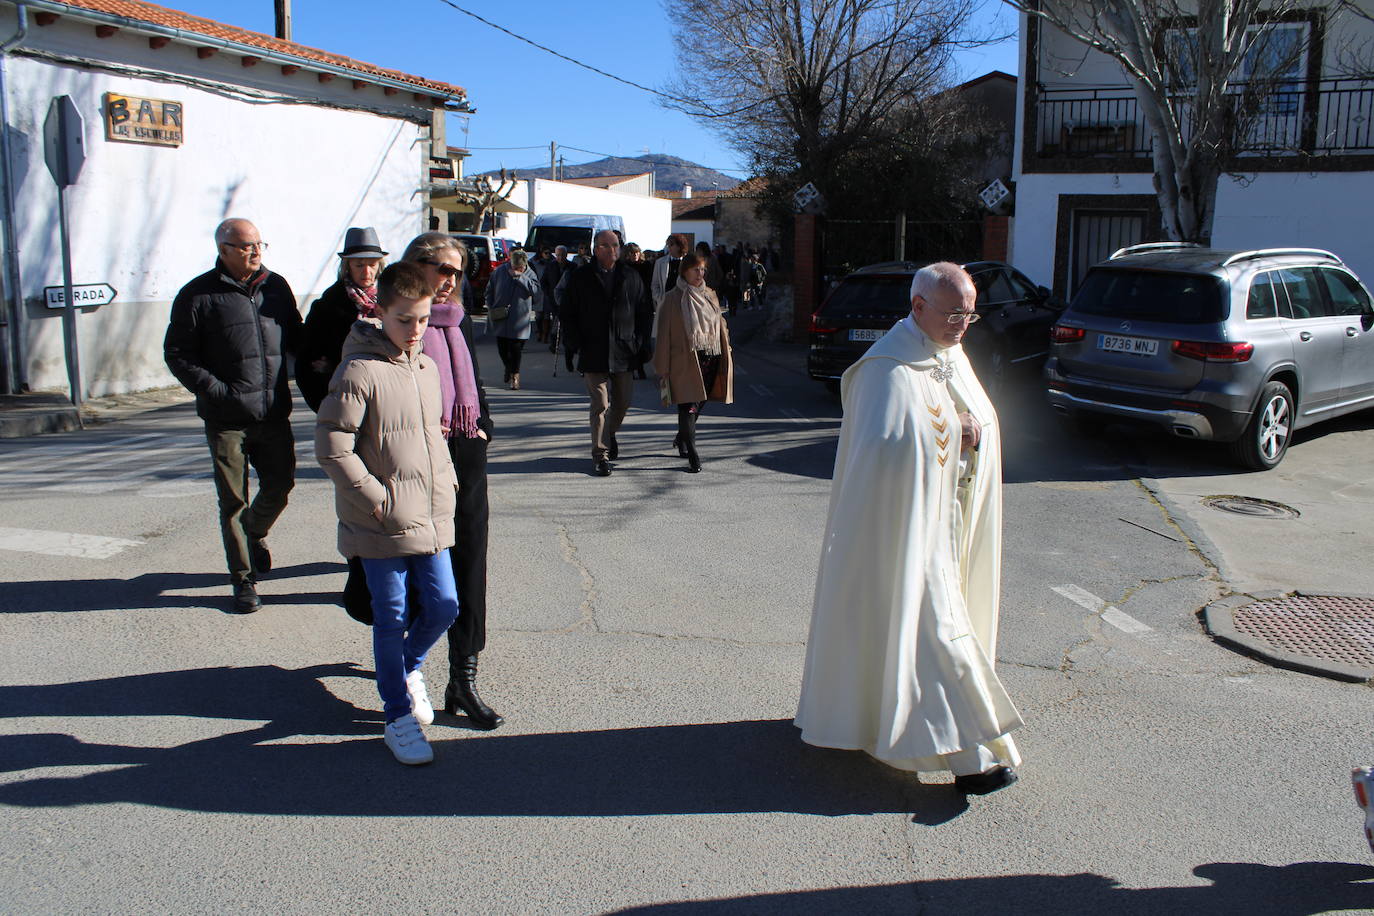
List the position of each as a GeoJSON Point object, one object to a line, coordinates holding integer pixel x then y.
{"type": "Point", "coordinates": [396, 651]}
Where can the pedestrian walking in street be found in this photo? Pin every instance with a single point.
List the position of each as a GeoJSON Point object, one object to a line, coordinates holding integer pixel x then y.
{"type": "Point", "coordinates": [545, 266]}
{"type": "Point", "coordinates": [904, 627]}
{"type": "Point", "coordinates": [666, 268]}
{"type": "Point", "coordinates": [607, 319]}
{"type": "Point", "coordinates": [451, 342]}
{"type": "Point", "coordinates": [692, 355]}
{"type": "Point", "coordinates": [230, 332]}
{"type": "Point", "coordinates": [513, 294]}
{"type": "Point", "coordinates": [379, 436]}
{"type": "Point", "coordinates": [632, 255]}
{"type": "Point", "coordinates": [332, 315]}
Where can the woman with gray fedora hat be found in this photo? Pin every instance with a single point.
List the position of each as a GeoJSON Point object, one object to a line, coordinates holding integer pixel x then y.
{"type": "Point", "coordinates": [332, 315]}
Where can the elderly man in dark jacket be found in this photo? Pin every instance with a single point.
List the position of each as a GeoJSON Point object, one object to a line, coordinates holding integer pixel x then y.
{"type": "Point", "coordinates": [227, 342]}
{"type": "Point", "coordinates": [607, 320]}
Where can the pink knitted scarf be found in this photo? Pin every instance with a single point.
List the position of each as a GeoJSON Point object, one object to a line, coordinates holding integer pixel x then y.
{"type": "Point", "coordinates": [444, 343]}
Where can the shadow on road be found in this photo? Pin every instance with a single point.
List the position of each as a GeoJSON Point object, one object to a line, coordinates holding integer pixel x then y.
{"type": "Point", "coordinates": [281, 766]}
{"type": "Point", "coordinates": [151, 590]}
{"type": "Point", "coordinates": [1237, 887]}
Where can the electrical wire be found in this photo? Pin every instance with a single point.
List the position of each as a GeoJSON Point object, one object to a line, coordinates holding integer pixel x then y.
{"type": "Point", "coordinates": [698, 104]}
{"type": "Point", "coordinates": [571, 60]}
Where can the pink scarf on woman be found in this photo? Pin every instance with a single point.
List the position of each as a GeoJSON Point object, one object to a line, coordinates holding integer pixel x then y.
{"type": "Point", "coordinates": [443, 342]}
{"type": "Point", "coordinates": [364, 298]}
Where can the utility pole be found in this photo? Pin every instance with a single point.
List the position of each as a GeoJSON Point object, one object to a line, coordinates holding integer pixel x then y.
{"type": "Point", "coordinates": [283, 9]}
{"type": "Point", "coordinates": [553, 152]}
{"type": "Point", "coordinates": [560, 166]}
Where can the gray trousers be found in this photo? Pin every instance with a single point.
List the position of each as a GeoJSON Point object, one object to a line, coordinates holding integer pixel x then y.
{"type": "Point", "coordinates": [610, 394]}
{"type": "Point", "coordinates": [270, 449]}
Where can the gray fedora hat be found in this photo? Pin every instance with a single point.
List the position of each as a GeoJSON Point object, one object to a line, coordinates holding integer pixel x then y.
{"type": "Point", "coordinates": [362, 243]}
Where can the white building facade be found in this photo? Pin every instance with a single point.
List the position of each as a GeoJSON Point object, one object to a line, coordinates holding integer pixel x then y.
{"type": "Point", "coordinates": [1082, 163]}
{"type": "Point", "coordinates": [304, 144]}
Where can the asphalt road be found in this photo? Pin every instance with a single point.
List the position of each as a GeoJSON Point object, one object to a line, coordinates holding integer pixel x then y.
{"type": "Point", "coordinates": [162, 755]}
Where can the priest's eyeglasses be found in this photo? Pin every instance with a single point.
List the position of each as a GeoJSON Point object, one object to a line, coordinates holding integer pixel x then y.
{"type": "Point", "coordinates": [961, 317]}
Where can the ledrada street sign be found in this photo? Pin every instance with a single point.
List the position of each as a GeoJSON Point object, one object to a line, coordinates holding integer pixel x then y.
{"type": "Point", "coordinates": [82, 296]}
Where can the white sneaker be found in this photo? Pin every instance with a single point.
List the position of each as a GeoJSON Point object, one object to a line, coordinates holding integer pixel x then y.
{"type": "Point", "coordinates": [420, 706]}
{"type": "Point", "coordinates": [407, 742]}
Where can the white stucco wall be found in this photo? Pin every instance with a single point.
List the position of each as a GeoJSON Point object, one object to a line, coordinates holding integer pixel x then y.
{"type": "Point", "coordinates": [1267, 210]}
{"type": "Point", "coordinates": [698, 230]}
{"type": "Point", "coordinates": [142, 217]}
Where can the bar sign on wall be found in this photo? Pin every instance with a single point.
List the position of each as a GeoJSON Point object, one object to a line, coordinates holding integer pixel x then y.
{"type": "Point", "coordinates": [138, 120]}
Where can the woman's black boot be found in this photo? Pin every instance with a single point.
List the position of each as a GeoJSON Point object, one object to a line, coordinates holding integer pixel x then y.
{"type": "Point", "coordinates": [461, 696]}
{"type": "Point", "coordinates": [689, 441]}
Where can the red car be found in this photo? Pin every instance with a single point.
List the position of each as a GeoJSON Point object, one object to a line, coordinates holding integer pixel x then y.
{"type": "Point", "coordinates": [488, 253]}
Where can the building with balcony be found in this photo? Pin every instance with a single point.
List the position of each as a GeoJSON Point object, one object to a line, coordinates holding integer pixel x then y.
{"type": "Point", "coordinates": [1302, 171]}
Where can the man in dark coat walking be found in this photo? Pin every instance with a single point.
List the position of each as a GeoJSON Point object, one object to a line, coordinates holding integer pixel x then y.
{"type": "Point", "coordinates": [607, 321]}
{"type": "Point", "coordinates": [227, 342]}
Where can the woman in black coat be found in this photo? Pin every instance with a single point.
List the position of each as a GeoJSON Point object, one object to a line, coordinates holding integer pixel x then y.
{"type": "Point", "coordinates": [332, 315]}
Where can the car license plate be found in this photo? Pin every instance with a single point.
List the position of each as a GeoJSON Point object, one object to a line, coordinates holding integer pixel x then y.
{"type": "Point", "coordinates": [1136, 346]}
{"type": "Point", "coordinates": [865, 333]}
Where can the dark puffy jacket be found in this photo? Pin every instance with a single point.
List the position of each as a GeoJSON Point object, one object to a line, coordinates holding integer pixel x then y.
{"type": "Point", "coordinates": [608, 332]}
{"type": "Point", "coordinates": [326, 328]}
{"type": "Point", "coordinates": [227, 343]}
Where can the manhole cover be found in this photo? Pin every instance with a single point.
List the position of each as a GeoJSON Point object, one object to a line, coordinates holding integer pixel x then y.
{"type": "Point", "coordinates": [1251, 506]}
{"type": "Point", "coordinates": [1334, 629]}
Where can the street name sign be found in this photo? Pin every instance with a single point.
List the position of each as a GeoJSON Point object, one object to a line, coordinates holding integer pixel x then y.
{"type": "Point", "coordinates": [84, 295]}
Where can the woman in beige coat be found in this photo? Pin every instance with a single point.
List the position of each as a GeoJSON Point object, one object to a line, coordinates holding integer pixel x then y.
{"type": "Point", "coordinates": [692, 356]}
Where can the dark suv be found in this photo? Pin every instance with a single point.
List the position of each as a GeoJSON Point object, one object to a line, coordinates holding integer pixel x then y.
{"type": "Point", "coordinates": [1241, 347]}
{"type": "Point", "coordinates": [1016, 317]}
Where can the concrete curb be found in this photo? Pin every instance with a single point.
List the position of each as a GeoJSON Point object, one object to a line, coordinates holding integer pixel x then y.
{"type": "Point", "coordinates": [34, 414]}
{"type": "Point", "coordinates": [1221, 624]}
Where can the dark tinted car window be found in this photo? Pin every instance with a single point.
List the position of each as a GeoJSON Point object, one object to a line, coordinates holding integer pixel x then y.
{"type": "Point", "coordinates": [1021, 288]}
{"type": "Point", "coordinates": [1305, 298]}
{"type": "Point", "coordinates": [992, 288]}
{"type": "Point", "coordinates": [1261, 302]}
{"type": "Point", "coordinates": [1176, 298]}
{"type": "Point", "coordinates": [1347, 296]}
{"type": "Point", "coordinates": [869, 295]}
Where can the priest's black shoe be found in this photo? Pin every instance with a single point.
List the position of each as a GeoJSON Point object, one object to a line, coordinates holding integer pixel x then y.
{"type": "Point", "coordinates": [601, 467]}
{"type": "Point", "coordinates": [998, 777]}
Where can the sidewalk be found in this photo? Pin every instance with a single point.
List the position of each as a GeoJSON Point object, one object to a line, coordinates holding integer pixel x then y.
{"type": "Point", "coordinates": [38, 412]}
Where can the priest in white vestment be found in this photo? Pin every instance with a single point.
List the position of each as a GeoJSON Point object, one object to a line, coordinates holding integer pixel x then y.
{"type": "Point", "coordinates": [904, 628]}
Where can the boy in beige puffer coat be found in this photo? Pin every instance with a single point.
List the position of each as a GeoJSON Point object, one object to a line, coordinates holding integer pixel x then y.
{"type": "Point", "coordinates": [378, 438]}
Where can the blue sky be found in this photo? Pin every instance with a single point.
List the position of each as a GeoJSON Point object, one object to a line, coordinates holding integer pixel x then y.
{"type": "Point", "coordinates": [525, 97]}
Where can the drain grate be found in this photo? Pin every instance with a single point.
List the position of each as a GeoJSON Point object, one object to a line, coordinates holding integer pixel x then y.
{"type": "Point", "coordinates": [1251, 506]}
{"type": "Point", "coordinates": [1331, 628]}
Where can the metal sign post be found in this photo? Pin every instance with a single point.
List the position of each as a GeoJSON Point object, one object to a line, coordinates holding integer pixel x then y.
{"type": "Point", "coordinates": [64, 150]}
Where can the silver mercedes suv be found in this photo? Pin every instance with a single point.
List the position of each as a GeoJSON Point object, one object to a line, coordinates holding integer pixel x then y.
{"type": "Point", "coordinates": [1242, 347]}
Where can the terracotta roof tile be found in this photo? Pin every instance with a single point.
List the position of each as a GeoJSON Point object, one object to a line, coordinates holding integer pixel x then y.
{"type": "Point", "coordinates": [161, 15]}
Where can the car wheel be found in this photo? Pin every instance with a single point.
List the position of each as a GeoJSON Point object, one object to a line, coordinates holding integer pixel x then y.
{"type": "Point", "coordinates": [1265, 440]}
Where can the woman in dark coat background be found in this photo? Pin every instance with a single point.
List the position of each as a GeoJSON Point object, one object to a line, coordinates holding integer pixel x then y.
{"type": "Point", "coordinates": [468, 427]}
{"type": "Point", "coordinates": [331, 316]}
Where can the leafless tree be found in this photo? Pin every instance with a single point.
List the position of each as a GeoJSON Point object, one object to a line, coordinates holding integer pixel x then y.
{"type": "Point", "coordinates": [483, 194]}
{"type": "Point", "coordinates": [1204, 73]}
{"type": "Point", "coordinates": [799, 84]}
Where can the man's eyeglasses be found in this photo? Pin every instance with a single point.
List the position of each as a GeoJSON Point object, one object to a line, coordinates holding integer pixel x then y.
{"type": "Point", "coordinates": [247, 246]}
{"type": "Point", "coordinates": [961, 317]}
{"type": "Point", "coordinates": [445, 270]}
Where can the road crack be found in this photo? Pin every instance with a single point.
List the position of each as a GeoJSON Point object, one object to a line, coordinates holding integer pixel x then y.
{"type": "Point", "coordinates": [586, 611]}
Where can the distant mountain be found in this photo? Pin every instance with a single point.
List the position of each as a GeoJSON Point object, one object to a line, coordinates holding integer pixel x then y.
{"type": "Point", "coordinates": [670, 172]}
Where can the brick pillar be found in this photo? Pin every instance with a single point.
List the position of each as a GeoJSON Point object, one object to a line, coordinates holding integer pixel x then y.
{"type": "Point", "coordinates": [994, 238]}
{"type": "Point", "coordinates": [806, 272]}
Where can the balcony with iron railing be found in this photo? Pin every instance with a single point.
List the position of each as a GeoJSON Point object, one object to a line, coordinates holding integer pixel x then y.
{"type": "Point", "coordinates": [1329, 118]}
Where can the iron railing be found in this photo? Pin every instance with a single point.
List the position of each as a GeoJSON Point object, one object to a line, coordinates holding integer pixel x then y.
{"type": "Point", "coordinates": [1333, 117]}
